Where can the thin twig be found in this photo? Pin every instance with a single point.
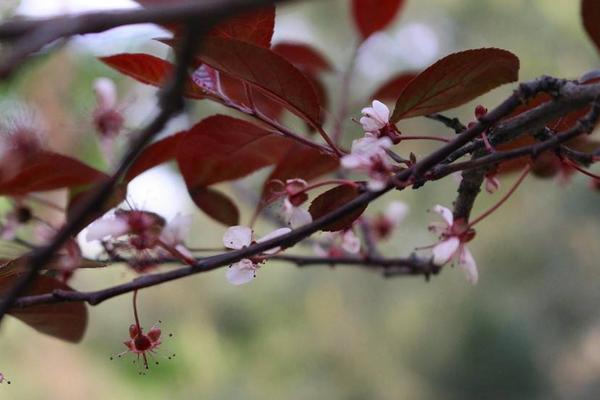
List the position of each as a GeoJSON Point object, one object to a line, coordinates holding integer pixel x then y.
{"type": "Point", "coordinates": [452, 123]}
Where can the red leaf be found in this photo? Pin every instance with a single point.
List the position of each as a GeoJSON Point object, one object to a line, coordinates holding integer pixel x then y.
{"type": "Point", "coordinates": [392, 88]}
{"type": "Point", "coordinates": [303, 56]}
{"type": "Point", "coordinates": [149, 70]}
{"type": "Point", "coordinates": [455, 80]}
{"type": "Point", "coordinates": [266, 71]}
{"type": "Point", "coordinates": [374, 15]}
{"type": "Point", "coordinates": [66, 321]}
{"type": "Point", "coordinates": [301, 162]}
{"type": "Point", "coordinates": [49, 171]}
{"type": "Point", "coordinates": [332, 200]}
{"type": "Point", "coordinates": [222, 148]}
{"type": "Point", "coordinates": [216, 205]}
{"type": "Point", "coordinates": [590, 13]}
{"type": "Point", "coordinates": [253, 27]}
{"type": "Point", "coordinates": [155, 154]}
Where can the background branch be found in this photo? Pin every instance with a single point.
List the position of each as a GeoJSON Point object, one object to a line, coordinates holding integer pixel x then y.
{"type": "Point", "coordinates": [30, 35]}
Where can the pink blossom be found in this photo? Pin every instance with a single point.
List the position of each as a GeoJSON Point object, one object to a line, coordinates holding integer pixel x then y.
{"type": "Point", "coordinates": [337, 244]}
{"type": "Point", "coordinates": [375, 118]}
{"type": "Point", "coordinates": [236, 238]}
{"type": "Point", "coordinates": [369, 155]}
{"type": "Point", "coordinates": [452, 246]}
{"type": "Point", "coordinates": [144, 224]}
{"type": "Point", "coordinates": [295, 216]}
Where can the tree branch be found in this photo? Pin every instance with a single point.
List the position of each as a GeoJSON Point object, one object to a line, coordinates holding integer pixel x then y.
{"type": "Point", "coordinates": [569, 96]}
{"type": "Point", "coordinates": [411, 266]}
{"type": "Point", "coordinates": [29, 36]}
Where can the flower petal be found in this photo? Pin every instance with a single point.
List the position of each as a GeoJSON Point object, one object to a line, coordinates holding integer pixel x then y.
{"type": "Point", "coordinates": [272, 235]}
{"type": "Point", "coordinates": [176, 230]}
{"type": "Point", "coordinates": [467, 263]}
{"type": "Point", "coordinates": [351, 161]}
{"type": "Point", "coordinates": [445, 250]}
{"type": "Point", "coordinates": [369, 124]}
{"type": "Point", "coordinates": [382, 112]}
{"type": "Point", "coordinates": [350, 242]}
{"type": "Point", "coordinates": [105, 227]}
{"type": "Point", "coordinates": [106, 93]}
{"type": "Point", "coordinates": [375, 185]}
{"type": "Point", "coordinates": [445, 213]}
{"type": "Point", "coordinates": [237, 237]}
{"type": "Point", "coordinates": [299, 217]}
{"type": "Point", "coordinates": [241, 272]}
{"type": "Point", "coordinates": [396, 211]}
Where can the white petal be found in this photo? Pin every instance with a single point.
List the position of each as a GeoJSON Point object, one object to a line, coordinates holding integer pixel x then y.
{"type": "Point", "coordinates": [272, 235]}
{"type": "Point", "coordinates": [319, 250]}
{"type": "Point", "coordinates": [350, 242]}
{"type": "Point", "coordinates": [492, 184]}
{"type": "Point", "coordinates": [383, 113]}
{"type": "Point", "coordinates": [176, 230]}
{"type": "Point", "coordinates": [104, 227]}
{"type": "Point", "coordinates": [351, 161]}
{"type": "Point", "coordinates": [241, 272]}
{"type": "Point", "coordinates": [438, 227]}
{"type": "Point", "coordinates": [375, 185]}
{"type": "Point", "coordinates": [396, 211]}
{"type": "Point", "coordinates": [467, 263]}
{"type": "Point", "coordinates": [106, 93]}
{"type": "Point", "coordinates": [445, 250]}
{"type": "Point", "coordinates": [237, 237]}
{"type": "Point", "coordinates": [445, 213]}
{"type": "Point", "coordinates": [299, 217]}
{"type": "Point", "coordinates": [369, 124]}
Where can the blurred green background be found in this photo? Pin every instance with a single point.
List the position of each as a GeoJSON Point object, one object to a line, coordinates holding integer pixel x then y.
{"type": "Point", "coordinates": [530, 328]}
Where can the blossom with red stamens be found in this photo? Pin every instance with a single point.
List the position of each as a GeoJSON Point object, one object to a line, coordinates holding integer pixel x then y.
{"type": "Point", "coordinates": [236, 238]}
{"type": "Point", "coordinates": [452, 246]}
{"type": "Point", "coordinates": [369, 155]}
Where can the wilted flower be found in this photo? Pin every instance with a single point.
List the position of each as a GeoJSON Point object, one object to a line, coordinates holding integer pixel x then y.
{"type": "Point", "coordinates": [236, 238]}
{"type": "Point", "coordinates": [452, 246]}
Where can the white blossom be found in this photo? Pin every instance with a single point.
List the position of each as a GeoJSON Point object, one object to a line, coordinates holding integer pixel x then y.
{"type": "Point", "coordinates": [295, 216]}
{"type": "Point", "coordinates": [375, 117]}
{"type": "Point", "coordinates": [452, 247]}
{"type": "Point", "coordinates": [236, 238]}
